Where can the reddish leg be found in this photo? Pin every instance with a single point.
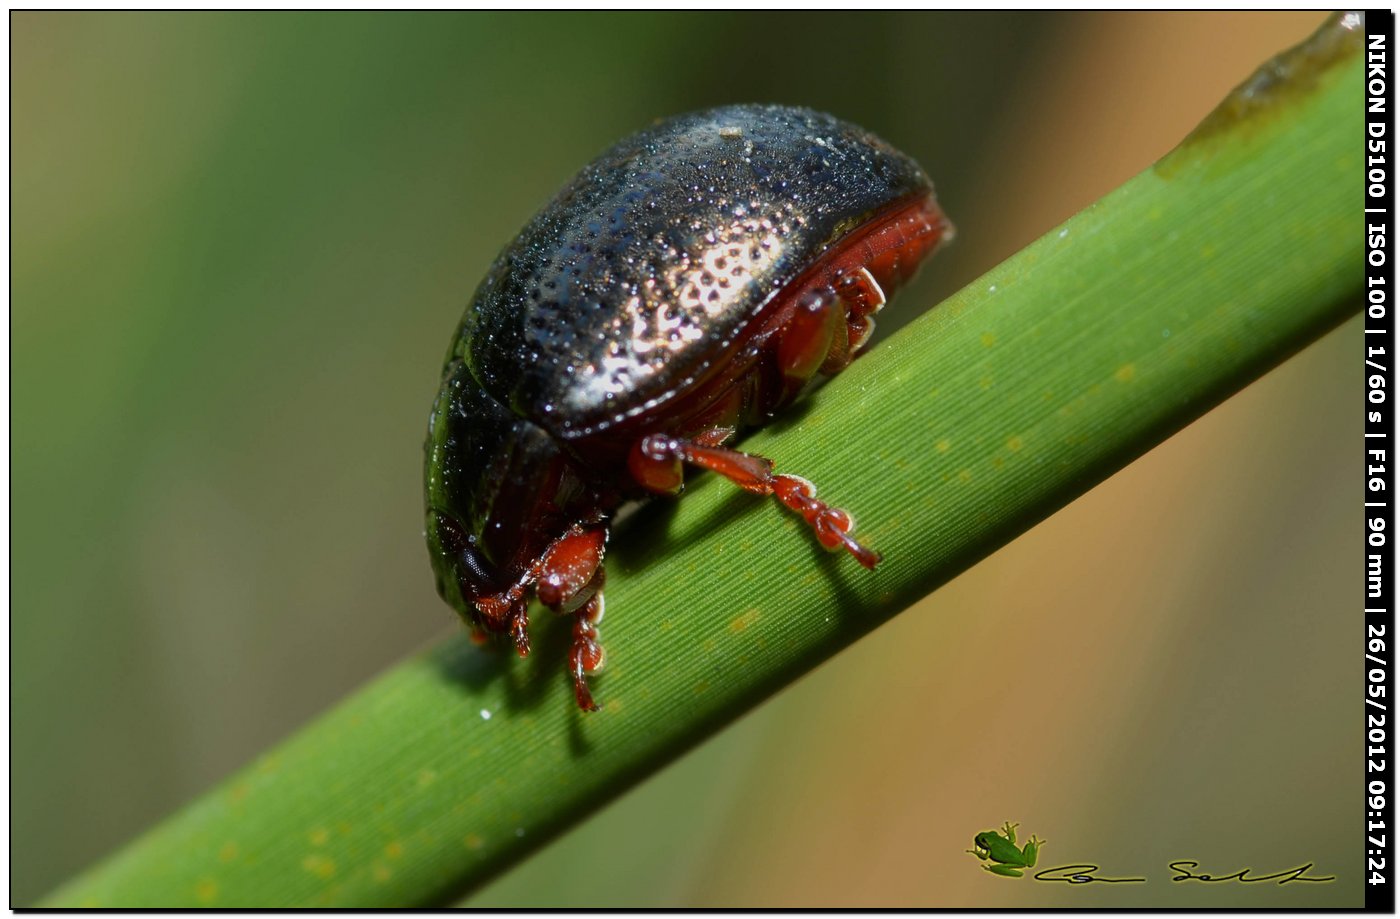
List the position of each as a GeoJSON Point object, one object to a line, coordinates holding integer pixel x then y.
{"type": "Point", "coordinates": [656, 461]}
{"type": "Point", "coordinates": [812, 339]}
{"type": "Point", "coordinates": [656, 466]}
{"type": "Point", "coordinates": [568, 566]}
{"type": "Point", "coordinates": [586, 655]}
{"type": "Point", "coordinates": [507, 611]}
{"type": "Point", "coordinates": [567, 578]}
{"type": "Point", "coordinates": [863, 298]}
{"type": "Point", "coordinates": [807, 338]}
{"type": "Point", "coordinates": [570, 581]}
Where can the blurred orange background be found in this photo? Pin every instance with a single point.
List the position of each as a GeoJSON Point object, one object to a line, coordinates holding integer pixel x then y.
{"type": "Point", "coordinates": [239, 244]}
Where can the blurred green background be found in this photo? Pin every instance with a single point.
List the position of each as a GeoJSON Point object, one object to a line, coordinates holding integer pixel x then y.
{"type": "Point", "coordinates": [239, 245]}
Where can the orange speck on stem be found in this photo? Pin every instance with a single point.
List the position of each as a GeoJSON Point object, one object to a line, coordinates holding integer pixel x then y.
{"type": "Point", "coordinates": [742, 621]}
{"type": "Point", "coordinates": [319, 865]}
{"type": "Point", "coordinates": [206, 890]}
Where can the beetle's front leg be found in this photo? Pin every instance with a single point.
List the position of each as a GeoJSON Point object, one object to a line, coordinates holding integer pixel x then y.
{"type": "Point", "coordinates": [655, 463]}
{"type": "Point", "coordinates": [586, 655]}
{"type": "Point", "coordinates": [507, 611]}
{"type": "Point", "coordinates": [569, 580]}
{"type": "Point", "coordinates": [569, 571]}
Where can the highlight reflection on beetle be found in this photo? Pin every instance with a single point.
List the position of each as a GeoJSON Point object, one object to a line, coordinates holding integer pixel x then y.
{"type": "Point", "coordinates": [686, 285]}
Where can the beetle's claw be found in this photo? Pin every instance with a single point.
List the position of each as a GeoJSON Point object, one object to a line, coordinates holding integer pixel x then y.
{"type": "Point", "coordinates": [581, 693]}
{"type": "Point", "coordinates": [586, 655]}
{"type": "Point", "coordinates": [583, 650]}
{"type": "Point", "coordinates": [868, 557]}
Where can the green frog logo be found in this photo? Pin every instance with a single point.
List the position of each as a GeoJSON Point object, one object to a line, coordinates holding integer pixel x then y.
{"type": "Point", "coordinates": [1000, 848]}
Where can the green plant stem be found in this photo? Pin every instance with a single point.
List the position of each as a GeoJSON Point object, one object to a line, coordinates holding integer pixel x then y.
{"type": "Point", "coordinates": [1024, 390]}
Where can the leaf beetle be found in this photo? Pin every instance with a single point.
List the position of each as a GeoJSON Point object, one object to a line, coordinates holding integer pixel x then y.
{"type": "Point", "coordinates": [686, 285]}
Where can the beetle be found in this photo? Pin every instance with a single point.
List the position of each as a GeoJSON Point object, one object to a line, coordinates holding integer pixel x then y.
{"type": "Point", "coordinates": [688, 284]}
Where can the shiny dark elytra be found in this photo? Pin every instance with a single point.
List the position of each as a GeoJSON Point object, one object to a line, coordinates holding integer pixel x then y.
{"type": "Point", "coordinates": [686, 285]}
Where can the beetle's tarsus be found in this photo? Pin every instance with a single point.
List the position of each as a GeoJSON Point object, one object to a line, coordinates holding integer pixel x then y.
{"type": "Point", "coordinates": [828, 530]}
{"type": "Point", "coordinates": [864, 298]}
{"type": "Point", "coordinates": [505, 612]}
{"type": "Point", "coordinates": [831, 524]}
{"type": "Point", "coordinates": [586, 655]}
{"type": "Point", "coordinates": [582, 696]}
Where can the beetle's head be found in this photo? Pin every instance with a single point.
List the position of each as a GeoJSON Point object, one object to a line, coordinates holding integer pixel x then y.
{"type": "Point", "coordinates": [461, 569]}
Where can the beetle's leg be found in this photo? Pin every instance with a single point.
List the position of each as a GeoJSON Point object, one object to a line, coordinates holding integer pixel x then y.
{"type": "Point", "coordinates": [807, 338]}
{"type": "Point", "coordinates": [656, 465]}
{"type": "Point", "coordinates": [570, 579]}
{"type": "Point", "coordinates": [570, 565]}
{"type": "Point", "coordinates": [863, 298]}
{"type": "Point", "coordinates": [657, 459]}
{"type": "Point", "coordinates": [586, 655]}
{"type": "Point", "coordinates": [812, 339]}
{"type": "Point", "coordinates": [507, 611]}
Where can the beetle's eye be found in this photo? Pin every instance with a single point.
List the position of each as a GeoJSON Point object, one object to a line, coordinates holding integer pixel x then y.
{"type": "Point", "coordinates": [475, 571]}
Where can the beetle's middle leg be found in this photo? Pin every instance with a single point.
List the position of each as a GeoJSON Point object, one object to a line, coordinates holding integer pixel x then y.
{"type": "Point", "coordinates": [655, 463]}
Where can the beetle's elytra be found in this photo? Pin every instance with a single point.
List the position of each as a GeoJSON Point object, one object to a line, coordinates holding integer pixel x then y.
{"type": "Point", "coordinates": [686, 285]}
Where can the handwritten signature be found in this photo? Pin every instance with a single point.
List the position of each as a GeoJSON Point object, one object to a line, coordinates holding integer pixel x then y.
{"type": "Point", "coordinates": [1283, 877]}
{"type": "Point", "coordinates": [1088, 874]}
